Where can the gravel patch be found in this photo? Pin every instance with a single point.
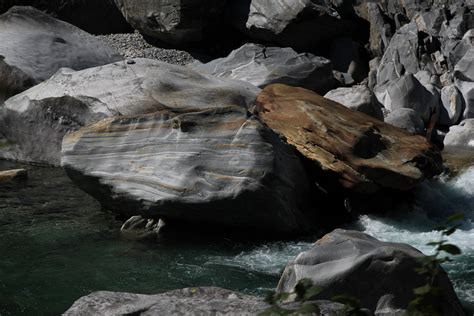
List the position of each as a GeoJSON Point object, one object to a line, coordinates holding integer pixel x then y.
{"type": "Point", "coordinates": [132, 45]}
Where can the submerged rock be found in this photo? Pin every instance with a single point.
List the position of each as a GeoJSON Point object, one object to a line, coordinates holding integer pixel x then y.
{"type": "Point", "coordinates": [140, 228]}
{"type": "Point", "coordinates": [212, 166]}
{"type": "Point", "coordinates": [36, 121]}
{"type": "Point", "coordinates": [33, 46]}
{"type": "Point", "coordinates": [363, 153]}
{"type": "Point", "coordinates": [381, 275]}
{"type": "Point", "coordinates": [261, 66]}
{"type": "Point", "coordinates": [204, 301]}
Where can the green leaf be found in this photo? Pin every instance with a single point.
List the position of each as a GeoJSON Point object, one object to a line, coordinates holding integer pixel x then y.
{"type": "Point", "coordinates": [433, 243]}
{"type": "Point", "coordinates": [451, 249]}
{"type": "Point", "coordinates": [450, 231]}
{"type": "Point", "coordinates": [455, 218]}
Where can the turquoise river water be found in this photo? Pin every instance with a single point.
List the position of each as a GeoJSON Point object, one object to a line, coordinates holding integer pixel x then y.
{"type": "Point", "coordinates": [57, 245]}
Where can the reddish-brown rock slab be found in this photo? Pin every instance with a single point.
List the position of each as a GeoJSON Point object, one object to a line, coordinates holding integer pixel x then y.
{"type": "Point", "coordinates": [364, 153]}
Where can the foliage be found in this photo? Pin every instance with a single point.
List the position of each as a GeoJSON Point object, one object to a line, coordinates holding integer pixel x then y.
{"type": "Point", "coordinates": [430, 267]}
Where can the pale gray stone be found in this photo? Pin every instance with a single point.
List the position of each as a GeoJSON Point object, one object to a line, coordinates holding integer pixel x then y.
{"type": "Point", "coordinates": [358, 98]}
{"type": "Point", "coordinates": [36, 120]}
{"type": "Point", "coordinates": [33, 46]}
{"type": "Point", "coordinates": [203, 301]}
{"type": "Point", "coordinates": [261, 66]}
{"type": "Point", "coordinates": [407, 119]}
{"type": "Point", "coordinates": [461, 135]}
{"type": "Point", "coordinates": [452, 106]}
{"type": "Point", "coordinates": [378, 274]}
{"type": "Point", "coordinates": [464, 81]}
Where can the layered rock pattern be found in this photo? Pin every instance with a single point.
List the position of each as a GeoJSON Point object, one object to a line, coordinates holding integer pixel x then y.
{"type": "Point", "coordinates": [364, 153]}
{"type": "Point", "coordinates": [381, 275]}
{"type": "Point", "coordinates": [261, 66]}
{"type": "Point", "coordinates": [35, 121]}
{"type": "Point", "coordinates": [33, 46]}
{"type": "Point", "coordinates": [212, 166]}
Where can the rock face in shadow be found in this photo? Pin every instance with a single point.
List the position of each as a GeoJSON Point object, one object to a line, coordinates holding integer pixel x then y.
{"type": "Point", "coordinates": [382, 275]}
{"type": "Point", "coordinates": [33, 46]}
{"type": "Point", "coordinates": [35, 121]}
{"type": "Point", "coordinates": [204, 301]}
{"type": "Point", "coordinates": [261, 66]}
{"type": "Point", "coordinates": [364, 153]}
{"type": "Point", "coordinates": [213, 166]}
{"type": "Point", "coordinates": [287, 22]}
{"type": "Point", "coordinates": [175, 22]}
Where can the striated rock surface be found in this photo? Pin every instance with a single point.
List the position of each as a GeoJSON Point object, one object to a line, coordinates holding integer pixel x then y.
{"type": "Point", "coordinates": [364, 153]}
{"type": "Point", "coordinates": [35, 121]}
{"type": "Point", "coordinates": [214, 166]}
{"type": "Point", "coordinates": [171, 21]}
{"type": "Point", "coordinates": [33, 46]}
{"type": "Point", "coordinates": [204, 301]}
{"type": "Point", "coordinates": [358, 98]}
{"type": "Point", "coordinates": [381, 275]}
{"type": "Point", "coordinates": [261, 66]}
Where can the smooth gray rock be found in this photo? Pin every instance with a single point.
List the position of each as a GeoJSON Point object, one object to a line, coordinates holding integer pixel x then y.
{"type": "Point", "coordinates": [407, 119]}
{"type": "Point", "coordinates": [464, 81]}
{"type": "Point", "coordinates": [211, 166]}
{"type": "Point", "coordinates": [381, 275]}
{"type": "Point", "coordinates": [36, 120]}
{"type": "Point", "coordinates": [358, 98]}
{"type": "Point", "coordinates": [452, 106]}
{"type": "Point", "coordinates": [203, 301]}
{"type": "Point", "coordinates": [261, 66]}
{"type": "Point", "coordinates": [408, 92]}
{"type": "Point", "coordinates": [33, 46]}
{"type": "Point", "coordinates": [175, 22]}
{"type": "Point", "coordinates": [287, 22]}
{"type": "Point", "coordinates": [461, 135]}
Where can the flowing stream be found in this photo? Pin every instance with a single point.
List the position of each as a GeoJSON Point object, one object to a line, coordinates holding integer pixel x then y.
{"type": "Point", "coordinates": [57, 245]}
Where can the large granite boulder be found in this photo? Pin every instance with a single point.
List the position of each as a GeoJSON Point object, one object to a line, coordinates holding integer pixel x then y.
{"type": "Point", "coordinates": [452, 106]}
{"type": "Point", "coordinates": [287, 22]}
{"type": "Point", "coordinates": [363, 153]}
{"type": "Point", "coordinates": [176, 22]}
{"type": "Point", "coordinates": [204, 301]}
{"type": "Point", "coordinates": [261, 66]}
{"type": "Point", "coordinates": [461, 135]}
{"type": "Point", "coordinates": [33, 46]}
{"type": "Point", "coordinates": [36, 120]}
{"type": "Point", "coordinates": [358, 98]}
{"type": "Point", "coordinates": [408, 92]}
{"type": "Point", "coordinates": [464, 81]}
{"type": "Point", "coordinates": [408, 119]}
{"type": "Point", "coordinates": [213, 166]}
{"type": "Point", "coordinates": [92, 16]}
{"type": "Point", "coordinates": [381, 275]}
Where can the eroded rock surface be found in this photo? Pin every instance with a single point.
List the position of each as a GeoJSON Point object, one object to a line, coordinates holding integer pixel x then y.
{"type": "Point", "coordinates": [33, 46]}
{"type": "Point", "coordinates": [35, 121]}
{"type": "Point", "coordinates": [214, 166]}
{"type": "Point", "coordinates": [261, 66]}
{"type": "Point", "coordinates": [381, 275]}
{"type": "Point", "coordinates": [364, 153]}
